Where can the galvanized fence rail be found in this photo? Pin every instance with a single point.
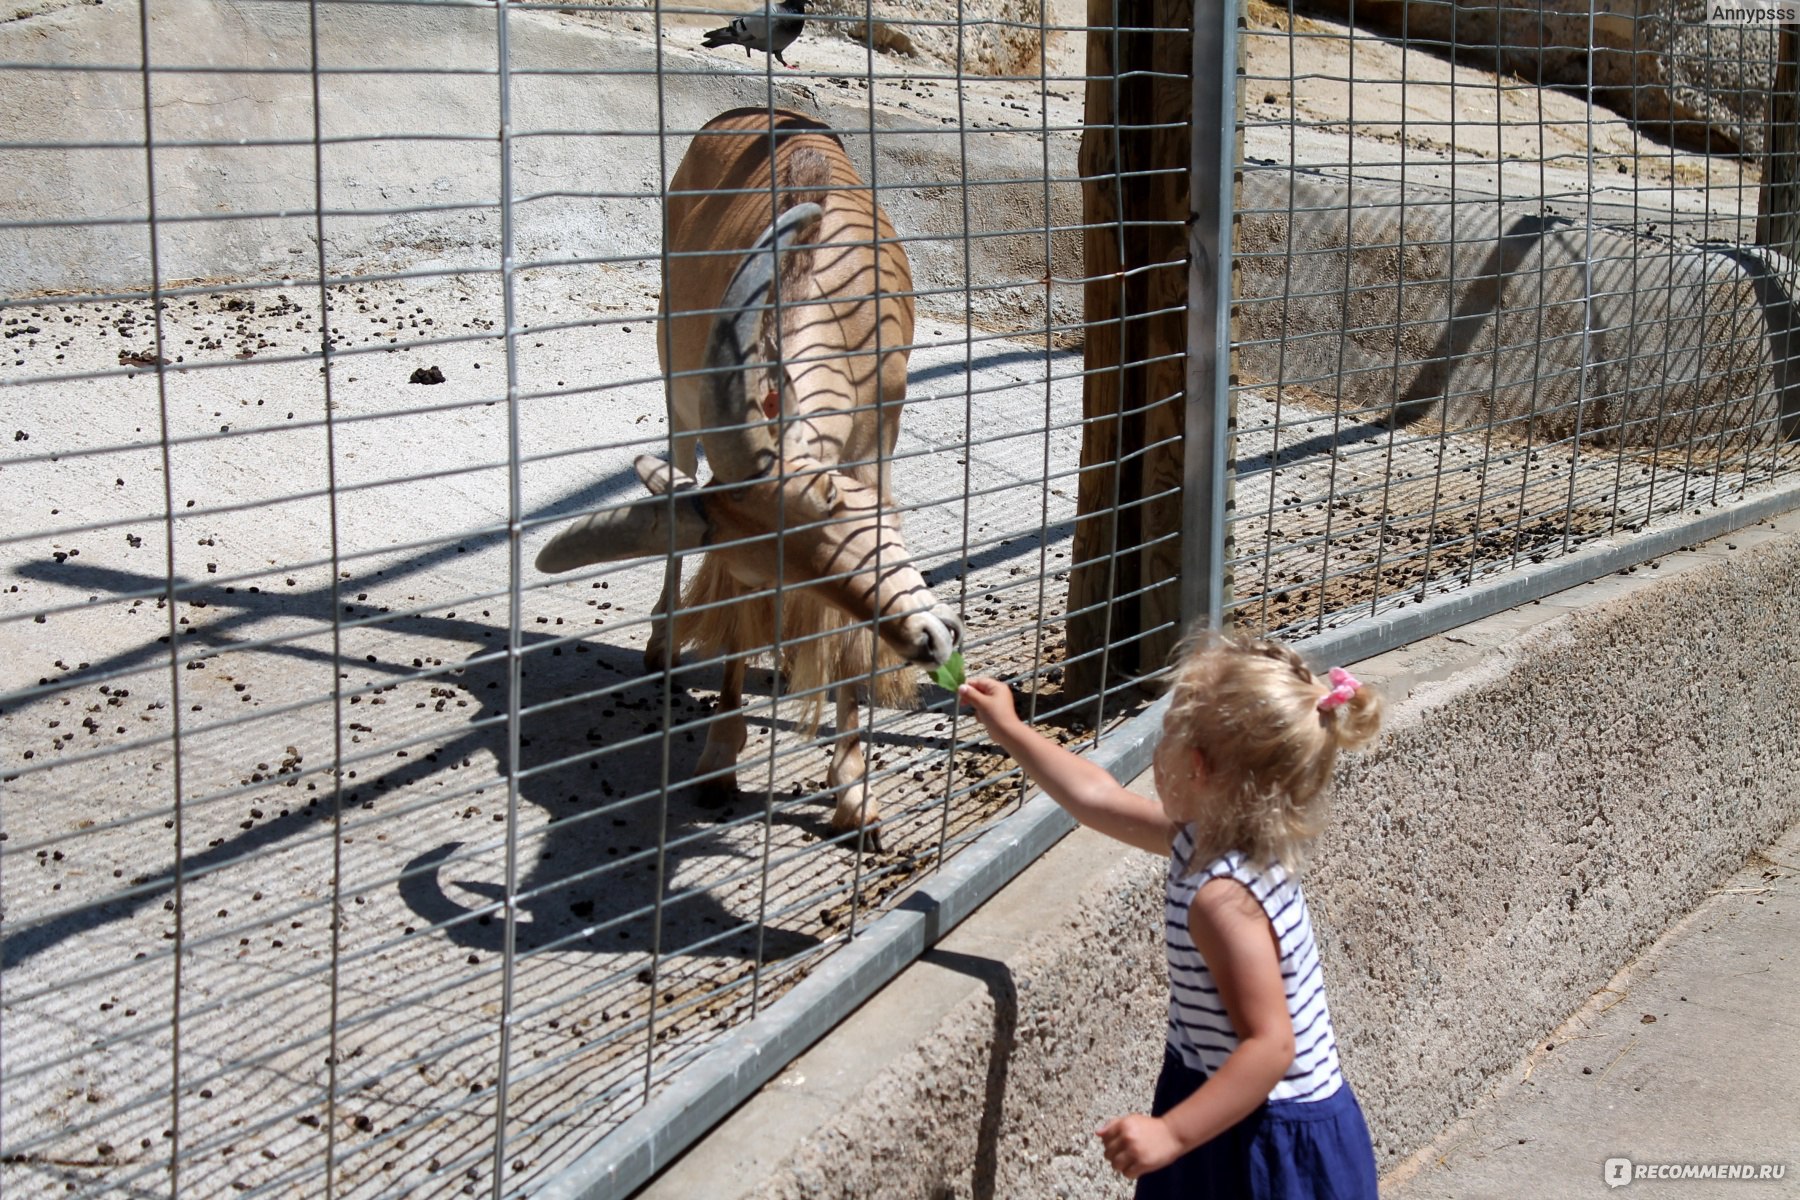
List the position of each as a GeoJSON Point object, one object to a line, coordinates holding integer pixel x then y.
{"type": "Point", "coordinates": [347, 854]}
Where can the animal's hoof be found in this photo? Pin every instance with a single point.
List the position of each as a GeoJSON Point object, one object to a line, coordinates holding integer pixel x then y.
{"type": "Point", "coordinates": [715, 793]}
{"type": "Point", "coordinates": [658, 657]}
{"type": "Point", "coordinates": [842, 823]}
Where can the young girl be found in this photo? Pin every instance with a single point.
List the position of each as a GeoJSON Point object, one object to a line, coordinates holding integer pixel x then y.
{"type": "Point", "coordinates": [1250, 1103]}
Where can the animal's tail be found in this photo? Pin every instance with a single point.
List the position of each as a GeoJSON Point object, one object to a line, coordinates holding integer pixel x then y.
{"type": "Point", "coordinates": [715, 38]}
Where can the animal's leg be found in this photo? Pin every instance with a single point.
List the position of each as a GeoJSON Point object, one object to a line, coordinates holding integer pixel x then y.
{"type": "Point", "coordinates": [845, 778]}
{"type": "Point", "coordinates": [725, 739]}
{"type": "Point", "coordinates": [663, 650]}
{"type": "Point", "coordinates": [660, 652]}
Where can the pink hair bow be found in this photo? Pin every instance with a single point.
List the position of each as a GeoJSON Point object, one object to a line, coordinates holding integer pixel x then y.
{"type": "Point", "coordinates": [1343, 686]}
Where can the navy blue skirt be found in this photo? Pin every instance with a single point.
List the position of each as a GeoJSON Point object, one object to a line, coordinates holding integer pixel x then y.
{"type": "Point", "coordinates": [1285, 1150]}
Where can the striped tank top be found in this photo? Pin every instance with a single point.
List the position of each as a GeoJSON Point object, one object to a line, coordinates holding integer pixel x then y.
{"type": "Point", "coordinates": [1199, 1030]}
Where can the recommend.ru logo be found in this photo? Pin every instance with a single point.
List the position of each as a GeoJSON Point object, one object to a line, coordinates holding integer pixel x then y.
{"type": "Point", "coordinates": [1617, 1172]}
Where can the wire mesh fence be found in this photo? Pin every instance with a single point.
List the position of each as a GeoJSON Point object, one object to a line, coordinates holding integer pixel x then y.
{"type": "Point", "coordinates": [348, 853]}
{"type": "Point", "coordinates": [1500, 295]}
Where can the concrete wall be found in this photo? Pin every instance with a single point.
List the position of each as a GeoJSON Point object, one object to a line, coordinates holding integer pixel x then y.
{"type": "Point", "coordinates": [1557, 784]}
{"type": "Point", "coordinates": [1474, 311]}
{"type": "Point", "coordinates": [990, 37]}
{"type": "Point", "coordinates": [411, 162]}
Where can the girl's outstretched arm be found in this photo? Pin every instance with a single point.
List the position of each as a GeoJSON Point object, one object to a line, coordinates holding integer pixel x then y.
{"type": "Point", "coordinates": [1233, 935]}
{"type": "Point", "coordinates": [1090, 795]}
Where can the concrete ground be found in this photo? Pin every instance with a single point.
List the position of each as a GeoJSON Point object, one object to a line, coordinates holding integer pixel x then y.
{"type": "Point", "coordinates": [1689, 1057]}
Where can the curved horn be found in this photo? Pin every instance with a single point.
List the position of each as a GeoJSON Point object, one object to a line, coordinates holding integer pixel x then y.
{"type": "Point", "coordinates": [636, 530]}
{"type": "Point", "coordinates": [734, 430]}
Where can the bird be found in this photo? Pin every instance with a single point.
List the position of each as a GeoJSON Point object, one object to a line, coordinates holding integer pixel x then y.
{"type": "Point", "coordinates": [766, 32]}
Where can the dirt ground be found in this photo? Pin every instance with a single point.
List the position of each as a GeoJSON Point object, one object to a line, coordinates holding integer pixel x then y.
{"type": "Point", "coordinates": [642, 919]}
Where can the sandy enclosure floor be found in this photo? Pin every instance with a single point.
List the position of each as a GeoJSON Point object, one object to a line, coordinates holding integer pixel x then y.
{"type": "Point", "coordinates": [1340, 520]}
{"type": "Point", "coordinates": [342, 616]}
{"type": "Point", "coordinates": [406, 992]}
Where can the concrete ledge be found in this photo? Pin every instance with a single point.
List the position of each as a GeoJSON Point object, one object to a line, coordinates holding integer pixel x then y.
{"type": "Point", "coordinates": [1468, 311]}
{"type": "Point", "coordinates": [1558, 784]}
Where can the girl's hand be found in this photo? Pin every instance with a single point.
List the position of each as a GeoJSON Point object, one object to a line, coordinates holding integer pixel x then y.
{"type": "Point", "coordinates": [1137, 1145]}
{"type": "Point", "coordinates": [1084, 789]}
{"type": "Point", "coordinates": [992, 702]}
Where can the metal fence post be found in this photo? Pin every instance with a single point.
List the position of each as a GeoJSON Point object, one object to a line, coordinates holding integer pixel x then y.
{"type": "Point", "coordinates": [1212, 208]}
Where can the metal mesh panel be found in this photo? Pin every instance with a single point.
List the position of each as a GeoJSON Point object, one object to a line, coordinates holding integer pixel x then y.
{"type": "Point", "coordinates": [1496, 298]}
{"type": "Point", "coordinates": [347, 853]}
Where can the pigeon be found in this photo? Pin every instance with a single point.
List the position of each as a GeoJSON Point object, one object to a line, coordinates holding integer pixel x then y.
{"type": "Point", "coordinates": [766, 32]}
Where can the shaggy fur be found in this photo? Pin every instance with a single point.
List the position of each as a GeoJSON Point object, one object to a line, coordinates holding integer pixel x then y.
{"type": "Point", "coordinates": [817, 648]}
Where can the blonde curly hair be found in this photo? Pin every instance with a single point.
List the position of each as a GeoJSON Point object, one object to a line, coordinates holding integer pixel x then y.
{"type": "Point", "coordinates": [1250, 707]}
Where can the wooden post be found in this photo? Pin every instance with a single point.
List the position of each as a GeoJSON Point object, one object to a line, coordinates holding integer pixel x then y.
{"type": "Point", "coordinates": [1124, 589]}
{"type": "Point", "coordinates": [1778, 218]}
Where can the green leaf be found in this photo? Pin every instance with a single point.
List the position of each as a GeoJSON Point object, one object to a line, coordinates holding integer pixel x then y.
{"type": "Point", "coordinates": [950, 676]}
